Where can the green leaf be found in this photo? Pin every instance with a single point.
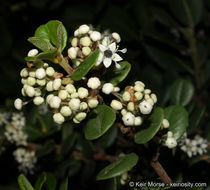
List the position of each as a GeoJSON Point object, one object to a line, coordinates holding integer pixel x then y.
{"type": "Point", "coordinates": [49, 32]}
{"type": "Point", "coordinates": [47, 148]}
{"type": "Point", "coordinates": [85, 66]}
{"type": "Point", "coordinates": [120, 166]}
{"type": "Point", "coordinates": [154, 122]}
{"type": "Point", "coordinates": [24, 184]}
{"type": "Point", "coordinates": [64, 185]}
{"type": "Point", "coordinates": [40, 43]}
{"type": "Point", "coordinates": [178, 120]}
{"type": "Point", "coordinates": [115, 76]}
{"type": "Point", "coordinates": [59, 37]}
{"type": "Point", "coordinates": [47, 55]}
{"type": "Point", "coordinates": [181, 92]}
{"type": "Point", "coordinates": [40, 182]}
{"type": "Point", "coordinates": [50, 182]}
{"type": "Point", "coordinates": [30, 59]}
{"type": "Point", "coordinates": [101, 119]}
{"type": "Point", "coordinates": [68, 143]}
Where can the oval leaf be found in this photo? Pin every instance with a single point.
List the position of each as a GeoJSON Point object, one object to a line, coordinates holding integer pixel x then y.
{"type": "Point", "coordinates": [120, 166]}
{"type": "Point", "coordinates": [40, 182]}
{"type": "Point", "coordinates": [101, 119]}
{"type": "Point", "coordinates": [24, 184]}
{"type": "Point", "coordinates": [178, 120]}
{"type": "Point", "coordinates": [40, 43]}
{"type": "Point", "coordinates": [155, 120]}
{"type": "Point", "coordinates": [50, 182]}
{"type": "Point", "coordinates": [85, 66]}
{"type": "Point", "coordinates": [181, 92]}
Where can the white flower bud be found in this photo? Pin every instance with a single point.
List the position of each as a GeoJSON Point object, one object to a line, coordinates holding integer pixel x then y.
{"type": "Point", "coordinates": [50, 71]}
{"type": "Point", "coordinates": [41, 82]}
{"type": "Point", "coordinates": [117, 105]}
{"type": "Point", "coordinates": [49, 97]}
{"type": "Point", "coordinates": [85, 41]}
{"type": "Point", "coordinates": [93, 83]}
{"type": "Point", "coordinates": [24, 72]}
{"type": "Point", "coordinates": [55, 102]}
{"type": "Point", "coordinates": [72, 53]}
{"type": "Point", "coordinates": [130, 106]}
{"type": "Point", "coordinates": [58, 118]}
{"type": "Point", "coordinates": [74, 95]}
{"type": "Point", "coordinates": [126, 96]}
{"type": "Point", "coordinates": [147, 91]}
{"type": "Point", "coordinates": [49, 86]}
{"type": "Point", "coordinates": [138, 88]}
{"type": "Point", "coordinates": [66, 111]}
{"type": "Point", "coordinates": [40, 73]}
{"type": "Point", "coordinates": [38, 100]}
{"type": "Point", "coordinates": [32, 52]}
{"type": "Point", "coordinates": [165, 123]}
{"type": "Point", "coordinates": [150, 100]}
{"type": "Point", "coordinates": [31, 81]}
{"type": "Point", "coordinates": [82, 92]}
{"type": "Point", "coordinates": [74, 104]}
{"type": "Point", "coordinates": [23, 92]}
{"type": "Point", "coordinates": [56, 84]}
{"type": "Point", "coordinates": [138, 95]}
{"type": "Point", "coordinates": [76, 33]}
{"type": "Point", "coordinates": [169, 134]}
{"type": "Point", "coordinates": [83, 29]}
{"type": "Point", "coordinates": [81, 116]}
{"type": "Point", "coordinates": [63, 94]}
{"type": "Point", "coordinates": [138, 121]}
{"type": "Point", "coordinates": [70, 88]}
{"type": "Point", "coordinates": [74, 42]}
{"type": "Point", "coordinates": [116, 89]}
{"type": "Point", "coordinates": [92, 103]}
{"type": "Point", "coordinates": [140, 83]}
{"type": "Point", "coordinates": [171, 142]}
{"type": "Point", "coordinates": [145, 107]}
{"type": "Point", "coordinates": [146, 96]}
{"type": "Point", "coordinates": [76, 121]}
{"type": "Point", "coordinates": [18, 104]}
{"type": "Point", "coordinates": [128, 119]}
{"type": "Point", "coordinates": [77, 63]}
{"type": "Point", "coordinates": [23, 81]}
{"type": "Point", "coordinates": [45, 65]}
{"type": "Point", "coordinates": [30, 91]}
{"type": "Point", "coordinates": [107, 88]}
{"type": "Point", "coordinates": [154, 97]}
{"type": "Point", "coordinates": [95, 36]}
{"type": "Point", "coordinates": [38, 92]}
{"type": "Point", "coordinates": [32, 74]}
{"type": "Point", "coordinates": [123, 111]}
{"type": "Point", "coordinates": [86, 51]}
{"type": "Point", "coordinates": [83, 106]}
{"type": "Point", "coordinates": [116, 37]}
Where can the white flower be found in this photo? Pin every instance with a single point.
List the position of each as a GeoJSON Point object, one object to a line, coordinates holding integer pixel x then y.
{"type": "Point", "coordinates": [18, 104]}
{"type": "Point", "coordinates": [38, 100]}
{"type": "Point", "coordinates": [72, 52]}
{"type": "Point", "coordinates": [109, 54]}
{"type": "Point", "coordinates": [63, 94]}
{"type": "Point", "coordinates": [56, 84]}
{"type": "Point", "coordinates": [65, 111]}
{"type": "Point", "coordinates": [126, 96]}
{"type": "Point", "coordinates": [171, 142]}
{"type": "Point", "coordinates": [93, 83]}
{"type": "Point", "coordinates": [128, 119]}
{"type": "Point", "coordinates": [86, 51]}
{"type": "Point", "coordinates": [95, 36]}
{"type": "Point", "coordinates": [74, 104]}
{"type": "Point", "coordinates": [50, 71]}
{"type": "Point", "coordinates": [70, 88]}
{"type": "Point", "coordinates": [40, 73]}
{"type": "Point", "coordinates": [58, 118]}
{"type": "Point", "coordinates": [55, 102]}
{"type": "Point", "coordinates": [138, 121]}
{"type": "Point", "coordinates": [117, 105]}
{"type": "Point", "coordinates": [83, 29]}
{"type": "Point", "coordinates": [116, 37]}
{"type": "Point", "coordinates": [92, 103]}
{"type": "Point", "coordinates": [32, 52]}
{"type": "Point", "coordinates": [107, 88]}
{"type": "Point", "coordinates": [145, 107]}
{"type": "Point", "coordinates": [85, 41]}
{"type": "Point", "coordinates": [82, 92]}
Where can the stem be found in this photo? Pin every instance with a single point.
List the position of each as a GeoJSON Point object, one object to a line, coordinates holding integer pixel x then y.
{"type": "Point", "coordinates": [63, 62]}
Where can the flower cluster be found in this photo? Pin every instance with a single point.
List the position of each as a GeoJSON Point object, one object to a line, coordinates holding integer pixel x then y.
{"type": "Point", "coordinates": [26, 160]}
{"type": "Point", "coordinates": [134, 102]}
{"type": "Point", "coordinates": [195, 146]}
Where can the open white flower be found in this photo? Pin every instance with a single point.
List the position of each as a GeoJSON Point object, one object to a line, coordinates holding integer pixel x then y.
{"type": "Point", "coordinates": [109, 54]}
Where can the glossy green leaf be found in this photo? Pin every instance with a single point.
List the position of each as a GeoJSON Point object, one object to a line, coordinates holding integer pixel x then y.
{"type": "Point", "coordinates": [30, 59]}
{"type": "Point", "coordinates": [154, 123]}
{"type": "Point", "coordinates": [181, 92]}
{"type": "Point", "coordinates": [120, 166]}
{"type": "Point", "coordinates": [47, 55]}
{"type": "Point", "coordinates": [64, 184]}
{"type": "Point", "coordinates": [40, 181]}
{"type": "Point", "coordinates": [100, 120]}
{"type": "Point", "coordinates": [42, 44]}
{"type": "Point", "coordinates": [50, 183]}
{"type": "Point", "coordinates": [85, 66]}
{"type": "Point", "coordinates": [178, 120]}
{"type": "Point", "coordinates": [49, 32]}
{"type": "Point", "coordinates": [115, 76]}
{"type": "Point", "coordinates": [24, 184]}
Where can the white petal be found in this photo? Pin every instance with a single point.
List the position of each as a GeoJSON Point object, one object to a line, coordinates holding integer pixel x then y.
{"type": "Point", "coordinates": [123, 50]}
{"type": "Point", "coordinates": [117, 57]}
{"type": "Point", "coordinates": [107, 62]}
{"type": "Point", "coordinates": [100, 59]}
{"type": "Point", "coordinates": [112, 47]}
{"type": "Point", "coordinates": [117, 65]}
{"type": "Point", "coordinates": [102, 48]}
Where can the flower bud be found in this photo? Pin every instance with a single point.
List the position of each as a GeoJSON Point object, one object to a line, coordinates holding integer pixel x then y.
{"type": "Point", "coordinates": [74, 42]}
{"type": "Point", "coordinates": [85, 41]}
{"type": "Point", "coordinates": [138, 95]}
{"type": "Point", "coordinates": [18, 104]}
{"type": "Point", "coordinates": [58, 118]}
{"type": "Point", "coordinates": [24, 72]}
{"type": "Point", "coordinates": [38, 92]}
{"type": "Point", "coordinates": [107, 88]}
{"type": "Point", "coordinates": [150, 100]}
{"type": "Point", "coordinates": [93, 83]}
{"type": "Point", "coordinates": [147, 91]}
{"type": "Point", "coordinates": [123, 111]}
{"type": "Point", "coordinates": [145, 107]}
{"type": "Point", "coordinates": [55, 102]}
{"type": "Point", "coordinates": [40, 73]}
{"type": "Point", "coordinates": [86, 51]}
{"type": "Point", "coordinates": [32, 74]}
{"type": "Point", "coordinates": [23, 92]}
{"type": "Point", "coordinates": [82, 92]}
{"type": "Point", "coordinates": [117, 105]}
{"type": "Point", "coordinates": [41, 82]}
{"type": "Point", "coordinates": [74, 104]}
{"type": "Point", "coordinates": [128, 119]}
{"type": "Point", "coordinates": [72, 53]}
{"type": "Point", "coordinates": [30, 91]}
{"type": "Point", "coordinates": [83, 106]}
{"type": "Point", "coordinates": [140, 83]}
{"type": "Point", "coordinates": [38, 100]}
{"type": "Point", "coordinates": [32, 52]}
{"type": "Point", "coordinates": [49, 86]}
{"type": "Point", "coordinates": [50, 71]}
{"type": "Point", "coordinates": [95, 36]}
{"type": "Point", "coordinates": [126, 96]}
{"type": "Point", "coordinates": [92, 103]}
{"type": "Point", "coordinates": [46, 65]}
{"type": "Point", "coordinates": [81, 116]}
{"type": "Point", "coordinates": [66, 111]}
{"type": "Point", "coordinates": [24, 81]}
{"type": "Point", "coordinates": [165, 123]}
{"type": "Point", "coordinates": [116, 89]}
{"type": "Point", "coordinates": [76, 33]}
{"type": "Point", "coordinates": [130, 106]}
{"type": "Point", "coordinates": [154, 97]}
{"type": "Point", "coordinates": [70, 88]}
{"type": "Point", "coordinates": [138, 88]}
{"type": "Point", "coordinates": [116, 37]}
{"type": "Point", "coordinates": [63, 94]}
{"type": "Point", "coordinates": [169, 134]}
{"type": "Point", "coordinates": [31, 81]}
{"type": "Point", "coordinates": [171, 142]}
{"type": "Point", "coordinates": [49, 97]}
{"type": "Point", "coordinates": [83, 29]}
{"type": "Point", "coordinates": [138, 121]}
{"type": "Point", "coordinates": [74, 95]}
{"type": "Point", "coordinates": [56, 84]}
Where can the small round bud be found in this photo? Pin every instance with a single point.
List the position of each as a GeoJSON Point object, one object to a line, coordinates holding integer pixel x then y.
{"type": "Point", "coordinates": [55, 102]}
{"type": "Point", "coordinates": [74, 95]}
{"type": "Point", "coordinates": [130, 106]}
{"type": "Point", "coordinates": [138, 95]}
{"type": "Point", "coordinates": [77, 63]}
{"type": "Point", "coordinates": [63, 94]}
{"type": "Point", "coordinates": [45, 65]}
{"type": "Point", "coordinates": [56, 84]}
{"type": "Point", "coordinates": [82, 92]}
{"type": "Point", "coordinates": [32, 52]}
{"type": "Point", "coordinates": [49, 86]}
{"type": "Point", "coordinates": [85, 41]}
{"type": "Point", "coordinates": [83, 106]}
{"type": "Point", "coordinates": [83, 29]}
{"type": "Point", "coordinates": [58, 118]}
{"type": "Point", "coordinates": [18, 104]}
{"type": "Point", "coordinates": [147, 91]}
{"type": "Point", "coordinates": [32, 74]}
{"type": "Point", "coordinates": [30, 91]}
{"type": "Point", "coordinates": [38, 100]}
{"type": "Point", "coordinates": [76, 121]}
{"type": "Point", "coordinates": [116, 105]}
{"type": "Point", "coordinates": [95, 36]}
{"type": "Point", "coordinates": [41, 82]}
{"type": "Point", "coordinates": [70, 88]}
{"type": "Point", "coordinates": [165, 123]}
{"type": "Point", "coordinates": [74, 42]}
{"type": "Point", "coordinates": [81, 116]}
{"type": "Point", "coordinates": [76, 33]}
{"type": "Point", "coordinates": [123, 111]}
{"type": "Point", "coordinates": [92, 103]}
{"type": "Point", "coordinates": [138, 88]}
{"type": "Point", "coordinates": [116, 89]}
{"type": "Point", "coordinates": [23, 81]}
{"type": "Point", "coordinates": [154, 97]}
{"type": "Point", "coordinates": [126, 96]}
{"type": "Point", "coordinates": [38, 92]}
{"type": "Point", "coordinates": [138, 121]}
{"type": "Point", "coordinates": [150, 100]}
{"type": "Point", "coordinates": [40, 73]}
{"type": "Point", "coordinates": [171, 142]}
{"type": "Point", "coordinates": [140, 83]}
{"type": "Point", "coordinates": [93, 83]}
{"type": "Point", "coordinates": [74, 104]}
{"type": "Point", "coordinates": [86, 51]}
{"type": "Point", "coordinates": [31, 81]}
{"type": "Point", "coordinates": [49, 97]}
{"type": "Point", "coordinates": [169, 134]}
{"type": "Point", "coordinates": [24, 72]}
{"type": "Point", "coordinates": [145, 107]}
{"type": "Point", "coordinates": [23, 92]}
{"type": "Point", "coordinates": [72, 53]}
{"type": "Point", "coordinates": [116, 37]}
{"type": "Point", "coordinates": [107, 88]}
{"type": "Point", "coordinates": [50, 71]}
{"type": "Point", "coordinates": [146, 96]}
{"type": "Point", "coordinates": [128, 119]}
{"type": "Point", "coordinates": [66, 111]}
